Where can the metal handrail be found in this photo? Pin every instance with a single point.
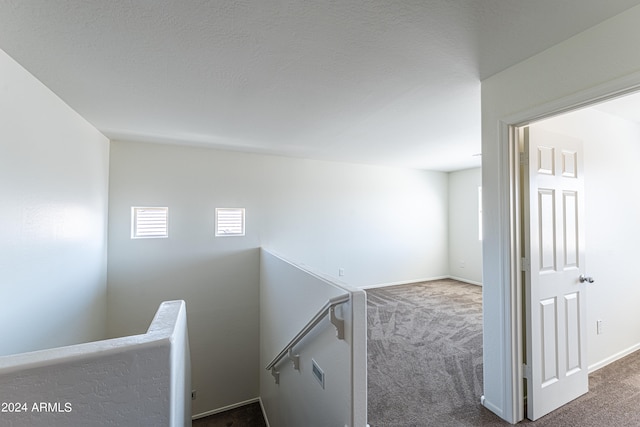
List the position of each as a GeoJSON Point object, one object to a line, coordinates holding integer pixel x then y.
{"type": "Point", "coordinates": [339, 323]}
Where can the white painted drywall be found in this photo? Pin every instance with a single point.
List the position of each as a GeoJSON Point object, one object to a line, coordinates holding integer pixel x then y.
{"type": "Point", "coordinates": [53, 216]}
{"type": "Point", "coordinates": [136, 380]}
{"type": "Point", "coordinates": [591, 64]}
{"type": "Point", "coordinates": [465, 246]}
{"type": "Point", "coordinates": [612, 209]}
{"type": "Point", "coordinates": [289, 298]}
{"type": "Point", "coordinates": [379, 224]}
{"type": "Point", "coordinates": [217, 276]}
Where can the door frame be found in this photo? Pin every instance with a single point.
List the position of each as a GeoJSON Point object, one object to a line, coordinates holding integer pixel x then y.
{"type": "Point", "coordinates": [510, 197]}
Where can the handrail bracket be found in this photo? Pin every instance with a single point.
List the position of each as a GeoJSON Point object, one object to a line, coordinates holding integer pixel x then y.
{"type": "Point", "coordinates": [338, 323]}
{"type": "Point", "coordinates": [295, 359]}
{"type": "Point", "coordinates": [329, 307]}
{"type": "Point", "coordinates": [276, 375]}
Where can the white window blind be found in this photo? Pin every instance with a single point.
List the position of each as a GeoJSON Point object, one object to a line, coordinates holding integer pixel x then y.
{"type": "Point", "coordinates": [229, 221]}
{"type": "Point", "coordinates": [149, 222]}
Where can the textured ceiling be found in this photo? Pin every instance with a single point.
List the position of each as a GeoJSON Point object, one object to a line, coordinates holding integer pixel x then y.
{"type": "Point", "coordinates": [380, 82]}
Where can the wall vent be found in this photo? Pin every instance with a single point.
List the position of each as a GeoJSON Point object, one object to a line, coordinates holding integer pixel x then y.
{"type": "Point", "coordinates": [318, 373]}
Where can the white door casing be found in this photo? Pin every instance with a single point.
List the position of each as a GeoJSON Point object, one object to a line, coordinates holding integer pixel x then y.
{"type": "Point", "coordinates": [555, 317]}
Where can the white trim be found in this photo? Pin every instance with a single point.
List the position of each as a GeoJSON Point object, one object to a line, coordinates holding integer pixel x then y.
{"type": "Point", "coordinates": [600, 93]}
{"type": "Point", "coordinates": [414, 281]}
{"type": "Point", "coordinates": [403, 282]}
{"type": "Point", "coordinates": [516, 320]}
{"type": "Point", "coordinates": [490, 406]}
{"type": "Point", "coordinates": [264, 412]}
{"type": "Point", "coordinates": [619, 355]}
{"type": "Point", "coordinates": [510, 356]}
{"type": "Point", "coordinates": [228, 408]}
{"type": "Point", "coordinates": [460, 279]}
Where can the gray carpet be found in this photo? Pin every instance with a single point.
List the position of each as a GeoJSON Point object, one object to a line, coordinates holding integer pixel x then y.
{"type": "Point", "coordinates": [425, 368]}
{"type": "Point", "coordinates": [613, 399]}
{"type": "Point", "coordinates": [425, 354]}
{"type": "Point", "coordinates": [425, 365]}
{"type": "Point", "coordinates": [245, 416]}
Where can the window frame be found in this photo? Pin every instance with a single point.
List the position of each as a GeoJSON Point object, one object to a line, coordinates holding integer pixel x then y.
{"type": "Point", "coordinates": [219, 232]}
{"type": "Point", "coordinates": [136, 234]}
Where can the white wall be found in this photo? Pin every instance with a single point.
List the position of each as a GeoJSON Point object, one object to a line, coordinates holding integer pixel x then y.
{"type": "Point", "coordinates": [289, 298]}
{"type": "Point", "coordinates": [465, 246]}
{"type": "Point", "coordinates": [612, 209]}
{"type": "Point", "coordinates": [136, 380]}
{"type": "Point", "coordinates": [217, 277]}
{"type": "Point", "coordinates": [592, 64]}
{"type": "Point", "coordinates": [53, 182]}
{"type": "Point", "coordinates": [379, 224]}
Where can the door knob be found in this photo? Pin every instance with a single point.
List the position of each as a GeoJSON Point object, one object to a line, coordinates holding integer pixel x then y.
{"type": "Point", "coordinates": [587, 279]}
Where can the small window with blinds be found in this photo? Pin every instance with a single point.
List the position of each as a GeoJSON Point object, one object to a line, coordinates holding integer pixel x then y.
{"type": "Point", "coordinates": [149, 222]}
{"type": "Point", "coordinates": [229, 221]}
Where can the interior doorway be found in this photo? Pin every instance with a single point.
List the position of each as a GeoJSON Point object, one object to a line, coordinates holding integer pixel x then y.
{"type": "Point", "coordinates": [610, 132]}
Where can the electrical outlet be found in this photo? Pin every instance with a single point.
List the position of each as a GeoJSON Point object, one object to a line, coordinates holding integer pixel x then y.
{"type": "Point", "coordinates": [194, 394]}
{"type": "Point", "coordinates": [341, 272]}
{"type": "Point", "coordinates": [599, 327]}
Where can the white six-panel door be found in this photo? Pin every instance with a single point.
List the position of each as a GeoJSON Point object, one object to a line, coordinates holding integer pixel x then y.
{"type": "Point", "coordinates": [556, 365]}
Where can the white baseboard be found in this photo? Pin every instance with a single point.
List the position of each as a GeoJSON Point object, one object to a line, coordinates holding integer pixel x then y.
{"type": "Point", "coordinates": [493, 408]}
{"type": "Point", "coordinates": [229, 407]}
{"type": "Point", "coordinates": [411, 282]}
{"type": "Point", "coordinates": [471, 282]}
{"type": "Point", "coordinates": [404, 282]}
{"type": "Point", "coordinates": [264, 413]}
{"type": "Point", "coordinates": [613, 358]}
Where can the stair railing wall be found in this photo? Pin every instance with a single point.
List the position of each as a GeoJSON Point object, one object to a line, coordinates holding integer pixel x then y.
{"type": "Point", "coordinates": [316, 378]}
